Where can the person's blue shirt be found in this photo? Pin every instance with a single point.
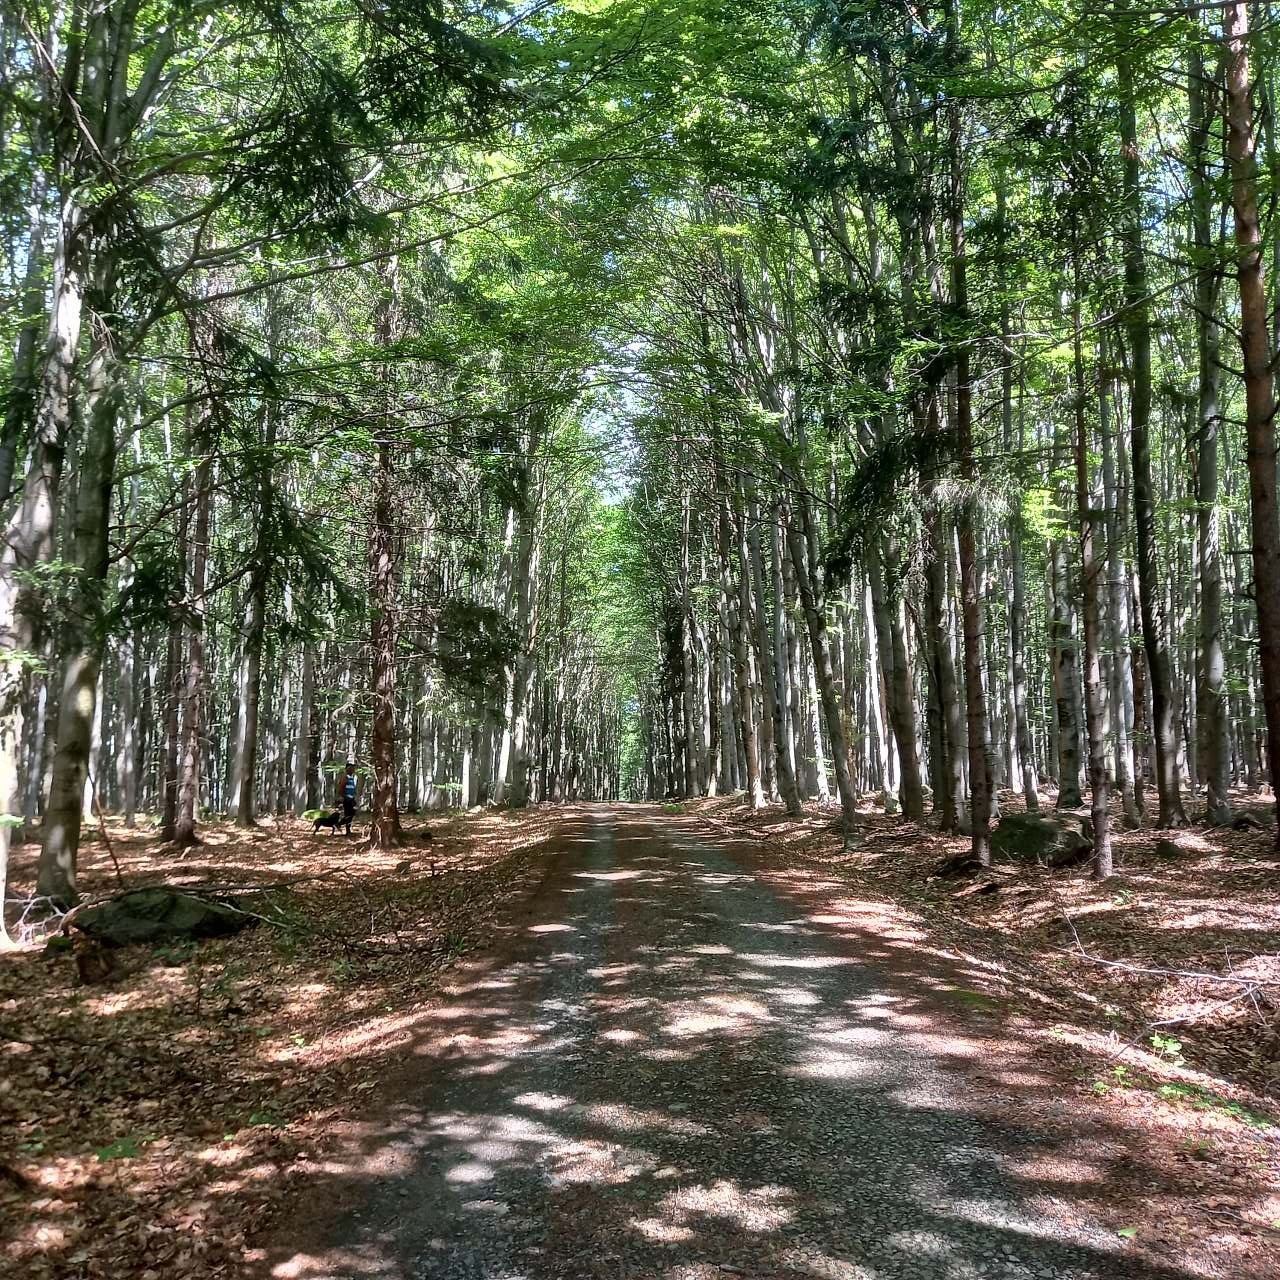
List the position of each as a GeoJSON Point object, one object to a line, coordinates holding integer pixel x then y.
{"type": "Point", "coordinates": [349, 787]}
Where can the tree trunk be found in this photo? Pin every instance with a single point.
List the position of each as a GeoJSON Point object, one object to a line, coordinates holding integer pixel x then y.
{"type": "Point", "coordinates": [980, 786]}
{"type": "Point", "coordinates": [384, 826]}
{"type": "Point", "coordinates": [81, 637]}
{"type": "Point", "coordinates": [1211, 697]}
{"type": "Point", "coordinates": [1259, 384]}
{"type": "Point", "coordinates": [799, 539]}
{"type": "Point", "coordinates": [1138, 324]}
{"type": "Point", "coordinates": [30, 532]}
{"type": "Point", "coordinates": [1090, 568]}
{"type": "Point", "coordinates": [184, 834]}
{"type": "Point", "coordinates": [770, 686]}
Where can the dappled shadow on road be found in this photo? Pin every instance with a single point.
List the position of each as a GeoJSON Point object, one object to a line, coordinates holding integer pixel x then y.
{"type": "Point", "coordinates": [668, 1069]}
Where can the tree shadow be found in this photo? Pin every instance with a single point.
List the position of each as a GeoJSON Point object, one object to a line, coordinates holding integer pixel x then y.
{"type": "Point", "coordinates": [668, 1068]}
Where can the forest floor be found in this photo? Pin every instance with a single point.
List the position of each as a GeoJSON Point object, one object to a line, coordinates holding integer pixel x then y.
{"type": "Point", "coordinates": [188, 1116]}
{"type": "Point", "coordinates": [153, 1121]}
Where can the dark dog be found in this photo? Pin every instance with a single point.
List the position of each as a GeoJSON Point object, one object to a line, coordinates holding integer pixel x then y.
{"type": "Point", "coordinates": [333, 822]}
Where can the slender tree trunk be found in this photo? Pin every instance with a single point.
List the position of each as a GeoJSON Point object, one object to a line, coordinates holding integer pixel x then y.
{"type": "Point", "coordinates": [770, 687]}
{"type": "Point", "coordinates": [1118, 602]}
{"type": "Point", "coordinates": [980, 785]}
{"type": "Point", "coordinates": [384, 828]}
{"type": "Point", "coordinates": [1259, 377]}
{"type": "Point", "coordinates": [1211, 697]}
{"type": "Point", "coordinates": [948, 767]}
{"type": "Point", "coordinates": [1138, 324]}
{"type": "Point", "coordinates": [1066, 680]}
{"type": "Point", "coordinates": [192, 717]}
{"type": "Point", "coordinates": [1090, 569]}
{"type": "Point", "coordinates": [30, 531]}
{"type": "Point", "coordinates": [883, 566]}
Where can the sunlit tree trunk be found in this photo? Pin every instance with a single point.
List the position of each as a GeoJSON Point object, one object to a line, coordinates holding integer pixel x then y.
{"type": "Point", "coordinates": [81, 637]}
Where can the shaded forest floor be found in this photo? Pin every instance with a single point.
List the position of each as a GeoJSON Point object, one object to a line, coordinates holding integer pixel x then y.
{"type": "Point", "coordinates": [156, 1121]}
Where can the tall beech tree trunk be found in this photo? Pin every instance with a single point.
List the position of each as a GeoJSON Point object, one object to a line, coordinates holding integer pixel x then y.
{"type": "Point", "coordinates": [883, 566]}
{"type": "Point", "coordinates": [1118, 597]}
{"type": "Point", "coordinates": [193, 615]}
{"type": "Point", "coordinates": [771, 690]}
{"type": "Point", "coordinates": [81, 638]}
{"type": "Point", "coordinates": [384, 825]}
{"type": "Point", "coordinates": [30, 531]}
{"type": "Point", "coordinates": [948, 729]}
{"type": "Point", "coordinates": [193, 694]}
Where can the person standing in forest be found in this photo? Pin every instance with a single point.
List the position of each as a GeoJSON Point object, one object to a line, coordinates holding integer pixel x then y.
{"type": "Point", "coordinates": [347, 794]}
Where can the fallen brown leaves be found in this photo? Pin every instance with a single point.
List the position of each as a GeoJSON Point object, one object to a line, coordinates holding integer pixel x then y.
{"type": "Point", "coordinates": [153, 1123]}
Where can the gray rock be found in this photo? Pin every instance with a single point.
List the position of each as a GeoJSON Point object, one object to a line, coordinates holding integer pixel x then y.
{"type": "Point", "coordinates": [159, 914]}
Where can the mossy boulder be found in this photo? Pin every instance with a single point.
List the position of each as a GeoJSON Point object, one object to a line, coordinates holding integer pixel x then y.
{"type": "Point", "coordinates": [159, 914]}
{"type": "Point", "coordinates": [1055, 840]}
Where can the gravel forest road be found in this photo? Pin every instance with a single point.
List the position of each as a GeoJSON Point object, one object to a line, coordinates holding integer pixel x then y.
{"type": "Point", "coordinates": [671, 1066]}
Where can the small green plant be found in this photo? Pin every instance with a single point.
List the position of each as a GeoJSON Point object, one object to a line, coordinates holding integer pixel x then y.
{"type": "Point", "coordinates": [1119, 1079]}
{"type": "Point", "coordinates": [1194, 1095]}
{"type": "Point", "coordinates": [1123, 897]}
{"type": "Point", "coordinates": [1169, 1048]}
{"type": "Point", "coordinates": [124, 1148]}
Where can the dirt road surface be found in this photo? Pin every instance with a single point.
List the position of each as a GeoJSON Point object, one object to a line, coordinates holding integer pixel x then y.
{"type": "Point", "coordinates": [673, 1065]}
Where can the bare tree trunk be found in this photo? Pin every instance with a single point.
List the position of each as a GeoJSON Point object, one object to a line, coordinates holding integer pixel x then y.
{"type": "Point", "coordinates": [770, 687]}
{"type": "Point", "coordinates": [948, 779]}
{"type": "Point", "coordinates": [192, 718]}
{"type": "Point", "coordinates": [1066, 679]}
{"type": "Point", "coordinates": [746, 709]}
{"type": "Point", "coordinates": [30, 531]}
{"type": "Point", "coordinates": [980, 785]}
{"type": "Point", "coordinates": [1090, 568]}
{"type": "Point", "coordinates": [384, 827]}
{"type": "Point", "coordinates": [81, 637]}
{"type": "Point", "coordinates": [1211, 698]}
{"type": "Point", "coordinates": [1138, 323]}
{"type": "Point", "coordinates": [799, 538]}
{"type": "Point", "coordinates": [1259, 384]}
{"type": "Point", "coordinates": [302, 758]}
{"type": "Point", "coordinates": [1118, 604]}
